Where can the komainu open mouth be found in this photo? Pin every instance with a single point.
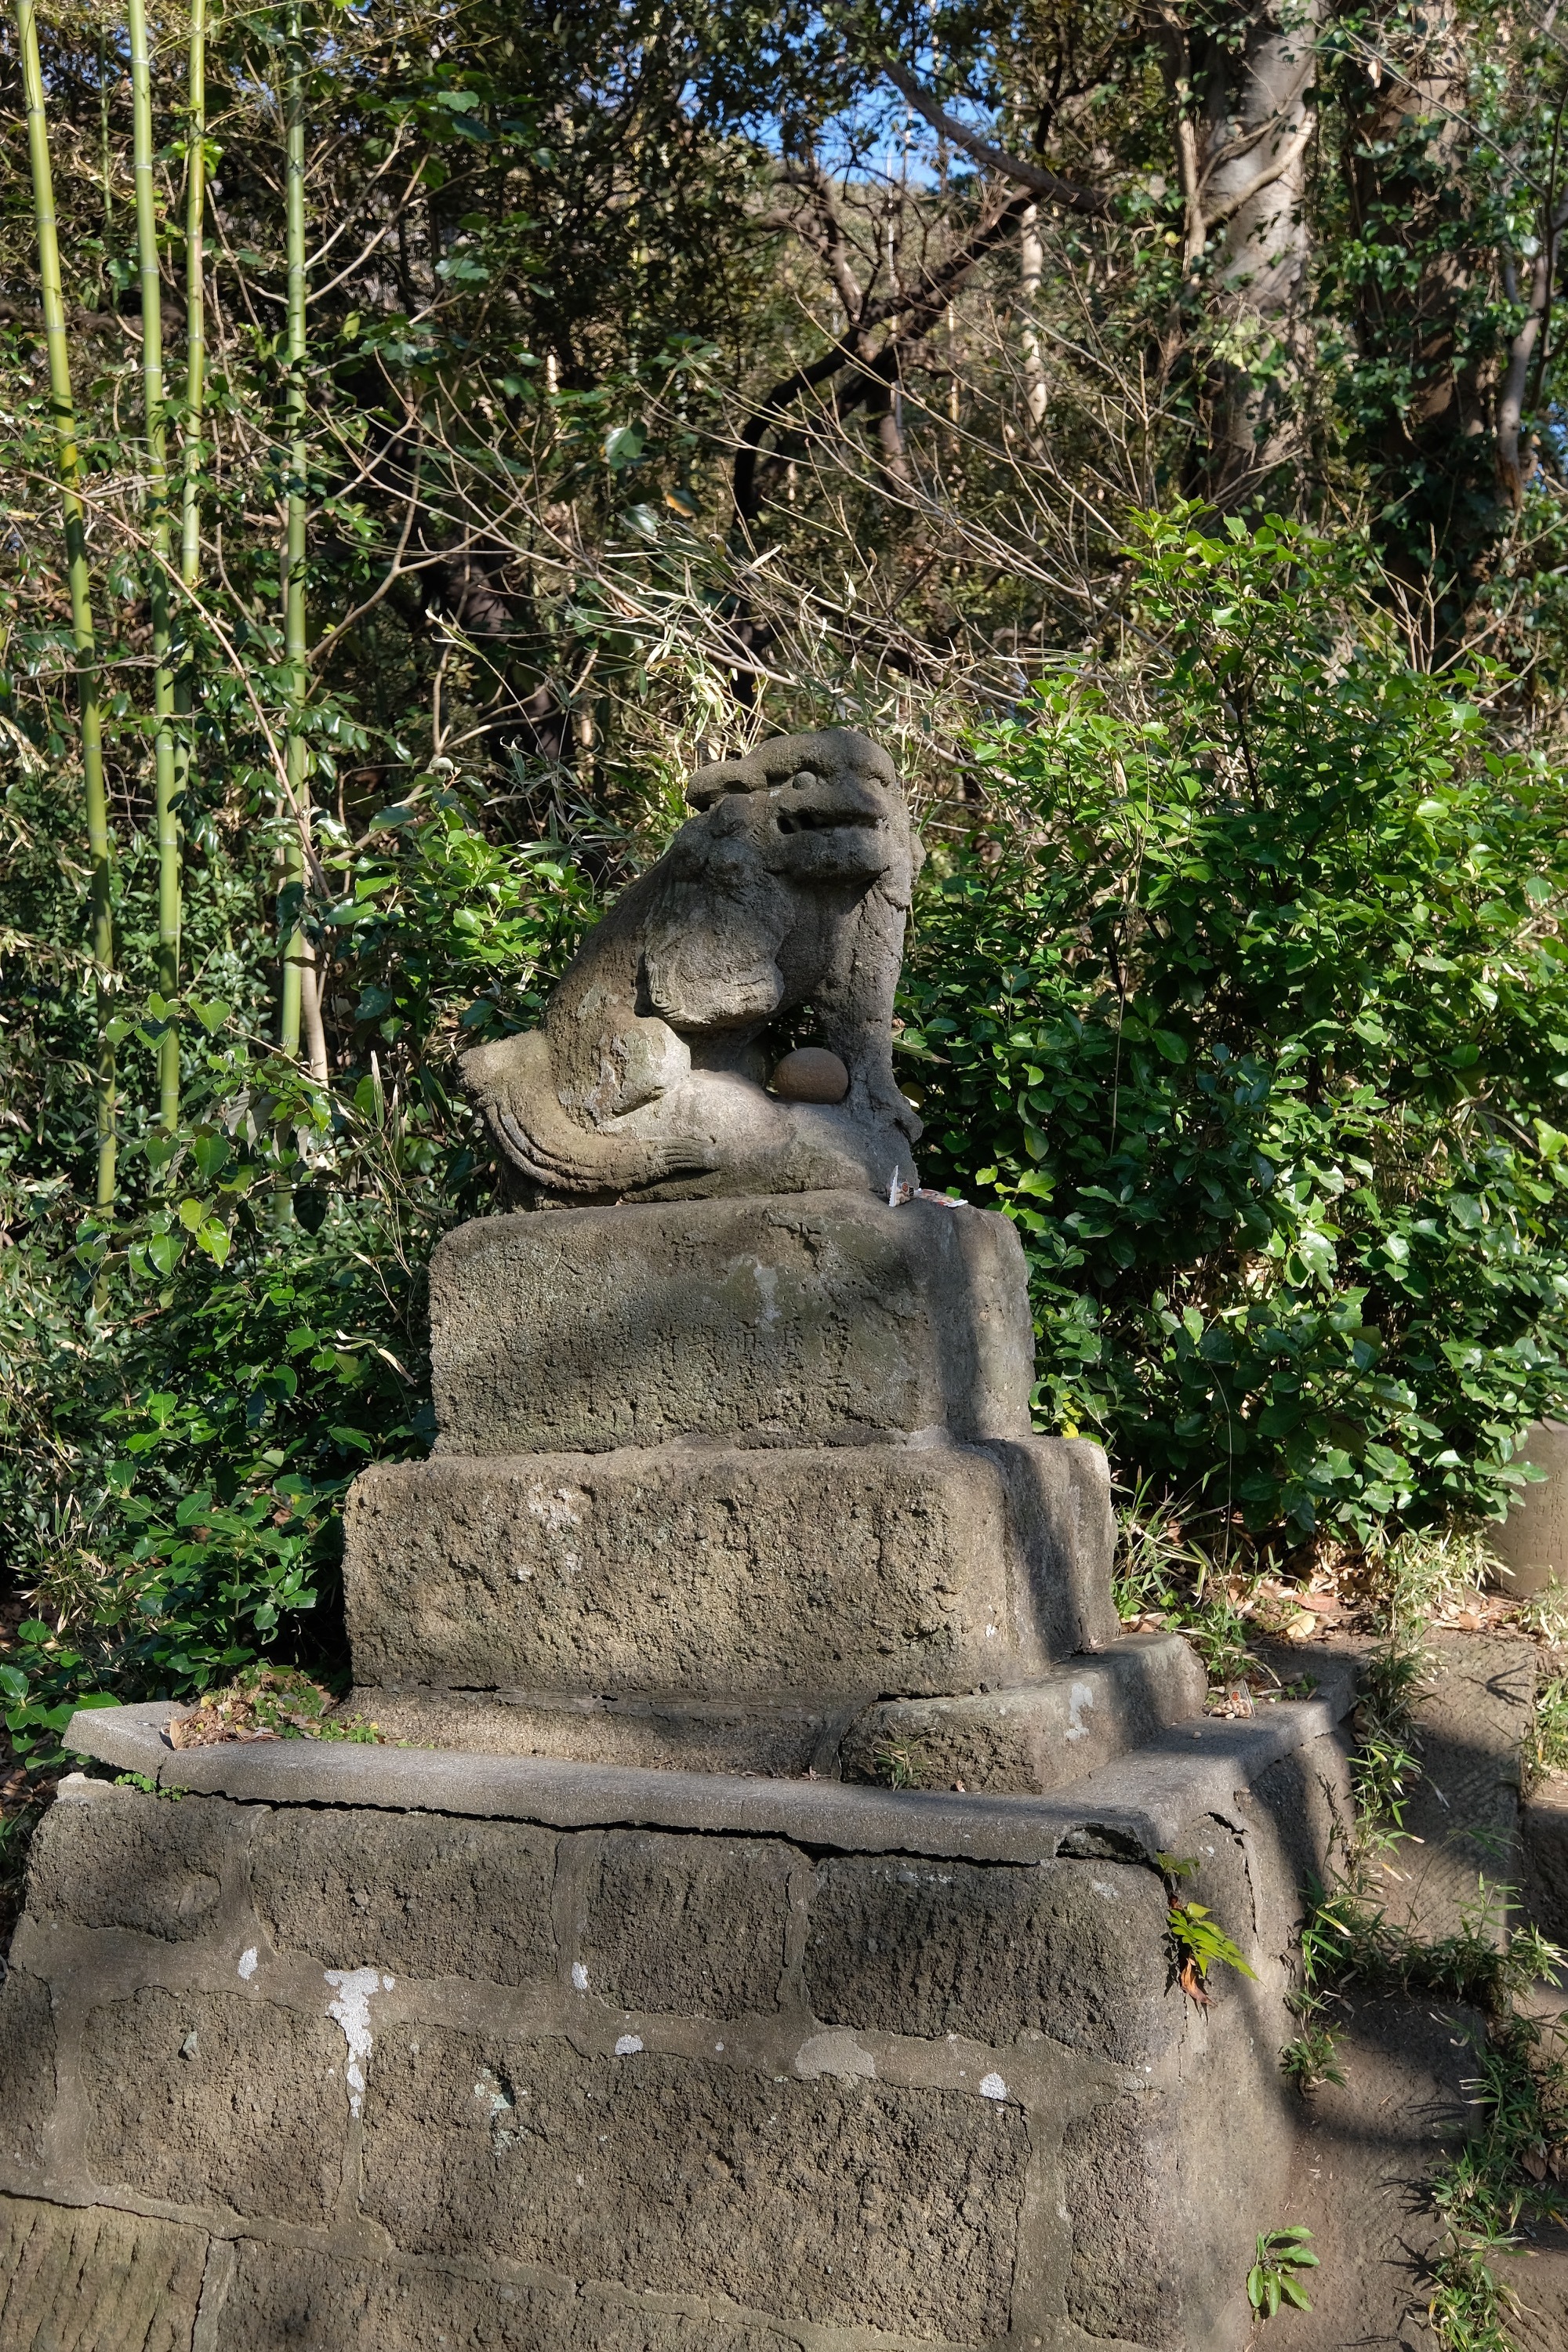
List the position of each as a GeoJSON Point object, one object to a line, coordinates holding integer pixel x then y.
{"type": "Point", "coordinates": [810, 820]}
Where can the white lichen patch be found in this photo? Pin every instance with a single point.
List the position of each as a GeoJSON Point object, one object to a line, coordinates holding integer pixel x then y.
{"type": "Point", "coordinates": [628, 2045]}
{"type": "Point", "coordinates": [352, 2011]}
{"type": "Point", "coordinates": [1079, 1697]}
{"type": "Point", "coordinates": [579, 1977]}
{"type": "Point", "coordinates": [556, 1510]}
{"type": "Point", "coordinates": [992, 2086]}
{"type": "Point", "coordinates": [248, 1960]}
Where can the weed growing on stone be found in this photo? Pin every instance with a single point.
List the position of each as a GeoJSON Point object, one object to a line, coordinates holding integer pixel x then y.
{"type": "Point", "coordinates": [1311, 2059]}
{"type": "Point", "coordinates": [1546, 1747]}
{"type": "Point", "coordinates": [1544, 1615]}
{"type": "Point", "coordinates": [266, 1702]}
{"type": "Point", "coordinates": [901, 1763]}
{"type": "Point", "coordinates": [1197, 1939]}
{"type": "Point", "coordinates": [1273, 2280]}
{"type": "Point", "coordinates": [148, 1787]}
{"type": "Point", "coordinates": [1514, 2164]}
{"type": "Point", "coordinates": [1200, 1941]}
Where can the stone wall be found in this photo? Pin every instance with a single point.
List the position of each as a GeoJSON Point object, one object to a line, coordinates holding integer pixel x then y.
{"type": "Point", "coordinates": [347, 2079]}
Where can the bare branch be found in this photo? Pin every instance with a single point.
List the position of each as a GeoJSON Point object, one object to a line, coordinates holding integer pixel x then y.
{"type": "Point", "coordinates": [1032, 176]}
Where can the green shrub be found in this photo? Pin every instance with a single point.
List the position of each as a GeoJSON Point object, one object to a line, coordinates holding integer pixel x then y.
{"type": "Point", "coordinates": [1245, 999]}
{"type": "Point", "coordinates": [187, 1387]}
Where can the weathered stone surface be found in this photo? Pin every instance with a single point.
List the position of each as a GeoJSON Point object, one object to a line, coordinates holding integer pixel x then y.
{"type": "Point", "coordinates": [1124, 2277]}
{"type": "Point", "coordinates": [1294, 1815]}
{"type": "Point", "coordinates": [1036, 1735]}
{"type": "Point", "coordinates": [26, 2066]}
{"type": "Point", "coordinates": [1465, 1807]}
{"type": "Point", "coordinates": [857, 2204]}
{"type": "Point", "coordinates": [284, 2296]}
{"type": "Point", "coordinates": [691, 1925]}
{"type": "Point", "coordinates": [888, 1569]}
{"type": "Point", "coordinates": [656, 1735]}
{"type": "Point", "coordinates": [1072, 1949]}
{"type": "Point", "coordinates": [788, 888]}
{"type": "Point", "coordinates": [1365, 2151]}
{"type": "Point", "coordinates": [1533, 1541]}
{"type": "Point", "coordinates": [419, 1893]}
{"type": "Point", "coordinates": [1546, 1822]}
{"type": "Point", "coordinates": [213, 2099]}
{"type": "Point", "coordinates": [826, 1317]}
{"type": "Point", "coordinates": [75, 2279]}
{"type": "Point", "coordinates": [112, 1860]}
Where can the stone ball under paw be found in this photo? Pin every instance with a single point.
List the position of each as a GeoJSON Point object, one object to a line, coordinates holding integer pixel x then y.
{"type": "Point", "coordinates": [810, 1075]}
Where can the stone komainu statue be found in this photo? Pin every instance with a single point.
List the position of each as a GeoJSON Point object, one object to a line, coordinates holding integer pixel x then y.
{"type": "Point", "coordinates": [786, 894]}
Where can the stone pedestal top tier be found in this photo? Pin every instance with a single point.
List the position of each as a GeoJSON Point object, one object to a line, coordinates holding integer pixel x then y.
{"type": "Point", "coordinates": [801, 1320]}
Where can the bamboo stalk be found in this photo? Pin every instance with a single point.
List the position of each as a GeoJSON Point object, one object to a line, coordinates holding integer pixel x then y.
{"type": "Point", "coordinates": [299, 995]}
{"type": "Point", "coordinates": [105, 272]}
{"type": "Point", "coordinates": [69, 467]}
{"type": "Point", "coordinates": [195, 370]}
{"type": "Point", "coordinates": [158, 532]}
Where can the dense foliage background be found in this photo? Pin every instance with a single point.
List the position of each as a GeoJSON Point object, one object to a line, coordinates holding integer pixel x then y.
{"type": "Point", "coordinates": [1147, 425]}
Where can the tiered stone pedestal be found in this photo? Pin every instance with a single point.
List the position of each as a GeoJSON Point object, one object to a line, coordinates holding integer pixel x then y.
{"type": "Point", "coordinates": [724, 1482]}
{"type": "Point", "coordinates": [528, 2034]}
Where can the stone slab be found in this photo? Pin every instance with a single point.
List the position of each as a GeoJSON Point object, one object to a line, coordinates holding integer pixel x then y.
{"type": "Point", "coordinates": [89, 2279]}
{"type": "Point", "coordinates": [791, 1737]}
{"type": "Point", "coordinates": [717, 1570]}
{"type": "Point", "coordinates": [1038, 1735]}
{"type": "Point", "coordinates": [1142, 1803]}
{"type": "Point", "coordinates": [1533, 1541]}
{"type": "Point", "coordinates": [211, 2099]}
{"type": "Point", "coordinates": [1033, 1735]}
{"type": "Point", "coordinates": [457, 1898]}
{"type": "Point", "coordinates": [817, 1318]}
{"type": "Point", "coordinates": [934, 1948]}
{"type": "Point", "coordinates": [311, 2302]}
{"type": "Point", "coordinates": [1544, 1824]}
{"type": "Point", "coordinates": [1470, 1725]}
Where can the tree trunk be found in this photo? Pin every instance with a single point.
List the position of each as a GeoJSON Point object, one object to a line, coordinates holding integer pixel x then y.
{"type": "Point", "coordinates": [1261, 121]}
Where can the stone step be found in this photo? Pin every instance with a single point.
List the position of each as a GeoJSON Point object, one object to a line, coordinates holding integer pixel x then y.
{"type": "Point", "coordinates": [1041, 1735]}
{"type": "Point", "coordinates": [1138, 1802]}
{"type": "Point", "coordinates": [715, 1570]}
{"type": "Point", "coordinates": [1035, 1736]}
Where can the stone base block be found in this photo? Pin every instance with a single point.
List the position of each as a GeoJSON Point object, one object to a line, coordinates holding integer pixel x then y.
{"type": "Point", "coordinates": [1035, 1736]}
{"type": "Point", "coordinates": [404, 2076]}
{"type": "Point", "coordinates": [95, 2280]}
{"type": "Point", "coordinates": [716, 1571]}
{"type": "Point", "coordinates": [816, 1318]}
{"type": "Point", "coordinates": [1041, 1736]}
